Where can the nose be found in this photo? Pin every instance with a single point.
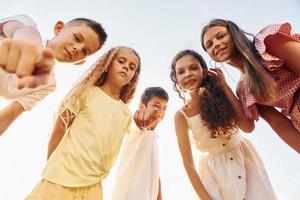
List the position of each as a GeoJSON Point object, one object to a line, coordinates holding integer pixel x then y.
{"type": "Point", "coordinates": [216, 44]}
{"type": "Point", "coordinates": [126, 66]}
{"type": "Point", "coordinates": [188, 74]}
{"type": "Point", "coordinates": [77, 48]}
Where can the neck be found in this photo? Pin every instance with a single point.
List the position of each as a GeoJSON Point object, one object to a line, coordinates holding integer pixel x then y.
{"type": "Point", "coordinates": [236, 61]}
{"type": "Point", "coordinates": [194, 95]}
{"type": "Point", "coordinates": [111, 90]}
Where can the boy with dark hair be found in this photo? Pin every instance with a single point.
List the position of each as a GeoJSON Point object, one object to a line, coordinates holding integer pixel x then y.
{"type": "Point", "coordinates": [138, 173]}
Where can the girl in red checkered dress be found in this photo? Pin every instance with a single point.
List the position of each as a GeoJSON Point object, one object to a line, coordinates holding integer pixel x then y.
{"type": "Point", "coordinates": [270, 69]}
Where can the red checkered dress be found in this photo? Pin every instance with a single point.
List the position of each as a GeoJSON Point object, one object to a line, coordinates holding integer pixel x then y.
{"type": "Point", "coordinates": [287, 82]}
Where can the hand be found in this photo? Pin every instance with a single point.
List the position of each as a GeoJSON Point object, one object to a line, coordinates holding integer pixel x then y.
{"type": "Point", "coordinates": [146, 119]}
{"type": "Point", "coordinates": [216, 72]}
{"type": "Point", "coordinates": [32, 64]}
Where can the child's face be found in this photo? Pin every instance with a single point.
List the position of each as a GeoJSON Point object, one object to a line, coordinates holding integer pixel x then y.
{"type": "Point", "coordinates": [218, 43]}
{"type": "Point", "coordinates": [158, 106]}
{"type": "Point", "coordinates": [123, 67]}
{"type": "Point", "coordinates": [73, 42]}
{"type": "Point", "coordinates": [189, 73]}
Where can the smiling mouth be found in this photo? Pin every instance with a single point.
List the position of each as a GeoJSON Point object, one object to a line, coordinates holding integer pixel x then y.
{"type": "Point", "coordinates": [190, 82]}
{"type": "Point", "coordinates": [69, 54]}
{"type": "Point", "coordinates": [221, 52]}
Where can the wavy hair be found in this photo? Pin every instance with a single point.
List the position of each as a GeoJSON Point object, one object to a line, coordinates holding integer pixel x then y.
{"type": "Point", "coordinates": [97, 75]}
{"type": "Point", "coordinates": [259, 81]}
{"type": "Point", "coordinates": [216, 111]}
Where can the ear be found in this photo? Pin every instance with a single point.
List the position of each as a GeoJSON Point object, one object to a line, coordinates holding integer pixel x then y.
{"type": "Point", "coordinates": [58, 27]}
{"type": "Point", "coordinates": [80, 62]}
{"type": "Point", "coordinates": [142, 106]}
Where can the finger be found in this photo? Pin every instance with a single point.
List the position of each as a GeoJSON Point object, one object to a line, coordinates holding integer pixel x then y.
{"type": "Point", "coordinates": [33, 81]}
{"type": "Point", "coordinates": [136, 118]}
{"type": "Point", "coordinates": [45, 61]}
{"type": "Point", "coordinates": [13, 58]}
{"type": "Point", "coordinates": [26, 64]}
{"type": "Point", "coordinates": [4, 49]}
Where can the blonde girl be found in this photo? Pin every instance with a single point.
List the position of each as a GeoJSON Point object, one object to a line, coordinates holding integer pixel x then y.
{"type": "Point", "coordinates": [89, 129]}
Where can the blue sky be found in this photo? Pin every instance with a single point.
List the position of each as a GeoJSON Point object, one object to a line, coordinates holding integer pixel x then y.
{"type": "Point", "coordinates": [157, 30]}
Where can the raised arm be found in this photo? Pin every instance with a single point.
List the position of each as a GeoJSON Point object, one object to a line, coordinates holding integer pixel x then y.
{"type": "Point", "coordinates": [187, 157]}
{"type": "Point", "coordinates": [22, 53]}
{"type": "Point", "coordinates": [281, 125]}
{"type": "Point", "coordinates": [245, 124]}
{"type": "Point", "coordinates": [9, 114]}
{"type": "Point", "coordinates": [59, 131]}
{"type": "Point", "coordinates": [285, 48]}
{"type": "Point", "coordinates": [24, 103]}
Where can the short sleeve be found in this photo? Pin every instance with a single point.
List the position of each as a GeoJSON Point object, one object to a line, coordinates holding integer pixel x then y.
{"type": "Point", "coordinates": [76, 106]}
{"type": "Point", "coordinates": [270, 61]}
{"type": "Point", "coordinates": [29, 99]}
{"type": "Point", "coordinates": [26, 20]}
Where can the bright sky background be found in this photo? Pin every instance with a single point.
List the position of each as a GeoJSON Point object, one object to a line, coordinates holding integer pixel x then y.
{"type": "Point", "coordinates": [157, 29]}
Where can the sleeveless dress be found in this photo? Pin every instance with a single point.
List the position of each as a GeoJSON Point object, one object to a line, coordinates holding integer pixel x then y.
{"type": "Point", "coordinates": [231, 168]}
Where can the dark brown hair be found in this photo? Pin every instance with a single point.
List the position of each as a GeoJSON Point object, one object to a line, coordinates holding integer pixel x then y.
{"type": "Point", "coordinates": [216, 111]}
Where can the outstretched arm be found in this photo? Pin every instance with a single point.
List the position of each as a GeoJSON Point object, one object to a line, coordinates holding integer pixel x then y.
{"type": "Point", "coordinates": [22, 53]}
{"type": "Point", "coordinates": [186, 154]}
{"type": "Point", "coordinates": [286, 49]}
{"type": "Point", "coordinates": [159, 197]}
{"type": "Point", "coordinates": [281, 125]}
{"type": "Point", "coordinates": [9, 114]}
{"type": "Point", "coordinates": [59, 130]}
{"type": "Point", "coordinates": [247, 125]}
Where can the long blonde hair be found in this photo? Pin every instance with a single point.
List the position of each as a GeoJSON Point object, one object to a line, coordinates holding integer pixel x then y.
{"type": "Point", "coordinates": [96, 75]}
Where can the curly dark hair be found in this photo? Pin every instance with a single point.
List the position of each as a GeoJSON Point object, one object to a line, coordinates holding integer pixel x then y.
{"type": "Point", "coordinates": [216, 111]}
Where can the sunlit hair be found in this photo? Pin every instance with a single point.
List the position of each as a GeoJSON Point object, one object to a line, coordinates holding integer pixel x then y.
{"type": "Point", "coordinates": [259, 81]}
{"type": "Point", "coordinates": [96, 75]}
{"type": "Point", "coordinates": [216, 111]}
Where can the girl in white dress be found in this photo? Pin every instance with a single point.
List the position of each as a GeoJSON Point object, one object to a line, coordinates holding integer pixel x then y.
{"type": "Point", "coordinates": [231, 168]}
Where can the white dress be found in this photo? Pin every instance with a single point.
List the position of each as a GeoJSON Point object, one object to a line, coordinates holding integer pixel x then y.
{"type": "Point", "coordinates": [232, 169]}
{"type": "Point", "coordinates": [138, 172]}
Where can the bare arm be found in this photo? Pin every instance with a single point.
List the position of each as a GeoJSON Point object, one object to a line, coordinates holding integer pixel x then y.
{"type": "Point", "coordinates": [22, 53]}
{"type": "Point", "coordinates": [18, 30]}
{"type": "Point", "coordinates": [59, 131]}
{"type": "Point", "coordinates": [247, 125]}
{"type": "Point", "coordinates": [244, 123]}
{"type": "Point", "coordinates": [286, 49]}
{"type": "Point", "coordinates": [187, 157]}
{"type": "Point", "coordinates": [9, 114]}
{"type": "Point", "coordinates": [281, 125]}
{"type": "Point", "coordinates": [159, 197]}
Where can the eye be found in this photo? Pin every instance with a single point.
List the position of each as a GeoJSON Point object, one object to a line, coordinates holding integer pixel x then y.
{"type": "Point", "coordinates": [222, 35]}
{"type": "Point", "coordinates": [179, 72]}
{"type": "Point", "coordinates": [208, 45]}
{"type": "Point", "coordinates": [76, 38]}
{"type": "Point", "coordinates": [195, 67]}
{"type": "Point", "coordinates": [132, 67]}
{"type": "Point", "coordinates": [121, 60]}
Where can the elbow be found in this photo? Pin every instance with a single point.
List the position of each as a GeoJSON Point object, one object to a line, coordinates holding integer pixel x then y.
{"type": "Point", "coordinates": [248, 127]}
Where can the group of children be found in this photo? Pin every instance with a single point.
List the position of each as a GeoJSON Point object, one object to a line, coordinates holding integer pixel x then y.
{"type": "Point", "coordinates": [84, 146]}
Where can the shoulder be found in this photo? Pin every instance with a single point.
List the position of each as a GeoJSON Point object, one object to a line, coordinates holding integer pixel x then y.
{"type": "Point", "coordinates": [179, 117]}
{"type": "Point", "coordinates": [25, 19]}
